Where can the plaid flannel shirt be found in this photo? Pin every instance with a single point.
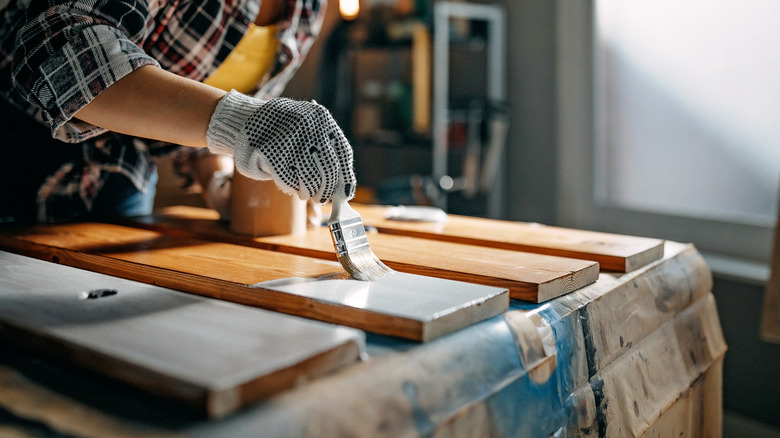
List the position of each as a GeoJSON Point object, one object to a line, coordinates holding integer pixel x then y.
{"type": "Point", "coordinates": [56, 56]}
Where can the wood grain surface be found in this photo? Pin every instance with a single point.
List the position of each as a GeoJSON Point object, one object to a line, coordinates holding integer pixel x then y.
{"type": "Point", "coordinates": [770, 317]}
{"type": "Point", "coordinates": [527, 276]}
{"type": "Point", "coordinates": [412, 307]}
{"type": "Point", "coordinates": [211, 355]}
{"type": "Point", "coordinates": [614, 252]}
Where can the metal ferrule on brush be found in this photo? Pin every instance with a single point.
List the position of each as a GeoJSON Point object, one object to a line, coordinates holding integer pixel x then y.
{"type": "Point", "coordinates": [351, 244]}
{"type": "Point", "coordinates": [348, 236]}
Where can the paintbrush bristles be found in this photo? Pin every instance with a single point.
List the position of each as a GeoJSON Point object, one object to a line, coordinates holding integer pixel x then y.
{"type": "Point", "coordinates": [364, 265]}
{"type": "Point", "coordinates": [351, 244]}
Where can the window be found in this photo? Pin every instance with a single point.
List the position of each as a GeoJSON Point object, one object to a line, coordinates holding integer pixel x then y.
{"type": "Point", "coordinates": [668, 120]}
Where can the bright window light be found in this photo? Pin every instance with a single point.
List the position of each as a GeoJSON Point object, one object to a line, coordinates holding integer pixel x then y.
{"type": "Point", "coordinates": [688, 96]}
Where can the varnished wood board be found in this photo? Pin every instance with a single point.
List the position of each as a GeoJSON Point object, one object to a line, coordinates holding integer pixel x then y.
{"type": "Point", "coordinates": [236, 273]}
{"type": "Point", "coordinates": [527, 276]}
{"type": "Point", "coordinates": [614, 252]}
{"type": "Point", "coordinates": [211, 355]}
{"type": "Point", "coordinates": [770, 318]}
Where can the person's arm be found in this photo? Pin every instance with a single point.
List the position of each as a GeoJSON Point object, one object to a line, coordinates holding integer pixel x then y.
{"type": "Point", "coordinates": [153, 103]}
{"type": "Point", "coordinates": [295, 143]}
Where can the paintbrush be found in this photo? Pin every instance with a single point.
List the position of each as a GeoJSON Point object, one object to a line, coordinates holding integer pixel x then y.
{"type": "Point", "coordinates": [351, 243]}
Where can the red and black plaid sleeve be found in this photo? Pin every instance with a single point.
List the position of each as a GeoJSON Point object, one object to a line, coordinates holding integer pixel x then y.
{"type": "Point", "coordinates": [66, 53]}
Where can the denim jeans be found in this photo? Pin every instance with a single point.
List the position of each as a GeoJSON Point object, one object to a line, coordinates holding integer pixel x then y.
{"type": "Point", "coordinates": [120, 198]}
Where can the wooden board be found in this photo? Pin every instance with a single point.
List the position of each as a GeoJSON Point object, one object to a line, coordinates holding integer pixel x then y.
{"type": "Point", "coordinates": [614, 252]}
{"type": "Point", "coordinates": [408, 306]}
{"type": "Point", "coordinates": [211, 355]}
{"type": "Point", "coordinates": [527, 276]}
{"type": "Point", "coordinates": [770, 318]}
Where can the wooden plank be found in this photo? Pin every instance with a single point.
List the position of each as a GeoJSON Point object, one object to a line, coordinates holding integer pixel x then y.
{"type": "Point", "coordinates": [527, 276]}
{"type": "Point", "coordinates": [614, 252]}
{"type": "Point", "coordinates": [210, 355]}
{"type": "Point", "coordinates": [770, 318]}
{"type": "Point", "coordinates": [404, 305]}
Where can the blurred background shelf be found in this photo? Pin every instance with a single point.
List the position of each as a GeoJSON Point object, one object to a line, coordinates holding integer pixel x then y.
{"type": "Point", "coordinates": [419, 91]}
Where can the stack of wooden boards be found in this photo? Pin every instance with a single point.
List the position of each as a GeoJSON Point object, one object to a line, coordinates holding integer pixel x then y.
{"type": "Point", "coordinates": [419, 308]}
{"type": "Point", "coordinates": [534, 262]}
{"type": "Point", "coordinates": [477, 264]}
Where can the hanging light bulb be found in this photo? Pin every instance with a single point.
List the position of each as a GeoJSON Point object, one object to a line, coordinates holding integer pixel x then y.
{"type": "Point", "coordinates": [349, 9]}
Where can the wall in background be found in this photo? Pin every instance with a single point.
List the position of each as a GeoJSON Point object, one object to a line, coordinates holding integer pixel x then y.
{"type": "Point", "coordinates": [531, 156]}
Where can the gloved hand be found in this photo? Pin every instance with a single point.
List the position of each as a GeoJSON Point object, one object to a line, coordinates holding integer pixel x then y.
{"type": "Point", "coordinates": [295, 143]}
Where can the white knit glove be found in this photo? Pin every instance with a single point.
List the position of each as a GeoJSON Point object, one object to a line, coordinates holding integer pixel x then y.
{"type": "Point", "coordinates": [295, 143]}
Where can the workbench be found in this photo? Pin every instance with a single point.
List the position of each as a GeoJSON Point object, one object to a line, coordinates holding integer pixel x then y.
{"type": "Point", "coordinates": [634, 353]}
